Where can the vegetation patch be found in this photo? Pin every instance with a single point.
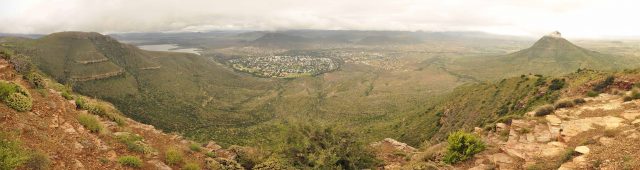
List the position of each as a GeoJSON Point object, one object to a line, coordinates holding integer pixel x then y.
{"type": "Point", "coordinates": [12, 155]}
{"type": "Point", "coordinates": [308, 147]}
{"type": "Point", "coordinates": [90, 122]}
{"type": "Point", "coordinates": [133, 142]}
{"type": "Point", "coordinates": [564, 103]}
{"type": "Point", "coordinates": [15, 96]}
{"type": "Point", "coordinates": [191, 166]}
{"type": "Point", "coordinates": [173, 156]}
{"type": "Point", "coordinates": [38, 161]}
{"type": "Point", "coordinates": [130, 161]}
{"type": "Point", "coordinates": [195, 147]}
{"type": "Point", "coordinates": [462, 146]}
{"type": "Point", "coordinates": [100, 110]}
{"type": "Point", "coordinates": [544, 110]}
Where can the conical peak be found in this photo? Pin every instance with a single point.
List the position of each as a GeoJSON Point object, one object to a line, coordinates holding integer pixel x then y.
{"type": "Point", "coordinates": [554, 34]}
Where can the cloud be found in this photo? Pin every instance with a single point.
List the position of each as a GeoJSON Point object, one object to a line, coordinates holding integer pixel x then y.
{"type": "Point", "coordinates": [579, 18]}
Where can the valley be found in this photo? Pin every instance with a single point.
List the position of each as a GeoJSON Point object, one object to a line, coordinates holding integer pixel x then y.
{"type": "Point", "coordinates": [249, 94]}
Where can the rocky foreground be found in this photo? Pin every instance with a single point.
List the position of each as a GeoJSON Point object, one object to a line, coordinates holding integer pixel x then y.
{"type": "Point", "coordinates": [602, 133]}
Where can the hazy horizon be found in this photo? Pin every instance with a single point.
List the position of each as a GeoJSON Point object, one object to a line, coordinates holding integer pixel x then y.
{"type": "Point", "coordinates": [574, 18]}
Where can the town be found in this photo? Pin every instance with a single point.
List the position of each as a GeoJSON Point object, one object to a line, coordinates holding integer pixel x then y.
{"type": "Point", "coordinates": [284, 66]}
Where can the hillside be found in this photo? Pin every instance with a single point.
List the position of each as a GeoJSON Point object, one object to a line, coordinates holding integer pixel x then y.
{"type": "Point", "coordinates": [173, 91]}
{"type": "Point", "coordinates": [58, 132]}
{"type": "Point", "coordinates": [590, 122]}
{"type": "Point", "coordinates": [550, 55]}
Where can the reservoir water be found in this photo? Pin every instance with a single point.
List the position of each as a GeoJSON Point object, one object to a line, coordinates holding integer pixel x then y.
{"type": "Point", "coordinates": [170, 48]}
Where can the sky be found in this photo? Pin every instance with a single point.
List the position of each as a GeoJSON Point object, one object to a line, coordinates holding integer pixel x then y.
{"type": "Point", "coordinates": [574, 18]}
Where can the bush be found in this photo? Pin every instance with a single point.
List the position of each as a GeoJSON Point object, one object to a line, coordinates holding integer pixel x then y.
{"type": "Point", "coordinates": [462, 146]}
{"type": "Point", "coordinates": [563, 104]}
{"type": "Point", "coordinates": [38, 161]}
{"type": "Point", "coordinates": [100, 110]}
{"type": "Point", "coordinates": [19, 102]}
{"type": "Point", "coordinates": [191, 166]}
{"type": "Point", "coordinates": [130, 161]}
{"type": "Point", "coordinates": [36, 80]}
{"type": "Point", "coordinates": [210, 154]}
{"type": "Point", "coordinates": [15, 96]}
{"type": "Point", "coordinates": [134, 142]}
{"type": "Point", "coordinates": [544, 110]}
{"type": "Point", "coordinates": [556, 84]}
{"type": "Point", "coordinates": [592, 94]}
{"type": "Point", "coordinates": [66, 95]}
{"type": "Point", "coordinates": [12, 155]}
{"type": "Point", "coordinates": [222, 163]}
{"type": "Point", "coordinates": [579, 101]}
{"type": "Point", "coordinates": [195, 147]}
{"type": "Point", "coordinates": [173, 156]}
{"type": "Point", "coordinates": [604, 84]}
{"type": "Point", "coordinates": [627, 98]}
{"type": "Point", "coordinates": [90, 122]}
{"type": "Point", "coordinates": [273, 163]}
{"type": "Point", "coordinates": [317, 147]}
{"type": "Point", "coordinates": [81, 103]}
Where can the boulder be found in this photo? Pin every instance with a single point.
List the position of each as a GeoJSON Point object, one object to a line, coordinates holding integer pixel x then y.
{"type": "Point", "coordinates": [212, 146]}
{"type": "Point", "coordinates": [501, 126]}
{"type": "Point", "coordinates": [582, 149]}
{"type": "Point", "coordinates": [553, 120]}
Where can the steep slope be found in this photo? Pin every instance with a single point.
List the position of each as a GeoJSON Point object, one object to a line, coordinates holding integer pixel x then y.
{"type": "Point", "coordinates": [55, 134]}
{"type": "Point", "coordinates": [550, 55]}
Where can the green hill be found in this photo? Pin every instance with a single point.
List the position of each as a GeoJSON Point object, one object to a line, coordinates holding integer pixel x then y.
{"type": "Point", "coordinates": [173, 91]}
{"type": "Point", "coordinates": [550, 55]}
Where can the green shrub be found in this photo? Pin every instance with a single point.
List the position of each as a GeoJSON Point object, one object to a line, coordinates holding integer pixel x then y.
{"type": "Point", "coordinates": [563, 104]}
{"type": "Point", "coordinates": [462, 146]}
{"type": "Point", "coordinates": [134, 142]}
{"type": "Point", "coordinates": [544, 110]}
{"type": "Point", "coordinates": [66, 95]}
{"type": "Point", "coordinates": [195, 147]}
{"type": "Point", "coordinates": [15, 96]}
{"type": "Point", "coordinates": [556, 84]}
{"type": "Point", "coordinates": [593, 94]}
{"type": "Point", "coordinates": [173, 156]}
{"type": "Point", "coordinates": [36, 80]}
{"type": "Point", "coordinates": [316, 147]}
{"type": "Point", "coordinates": [191, 166]}
{"type": "Point", "coordinates": [273, 163]}
{"type": "Point", "coordinates": [222, 163]}
{"type": "Point", "coordinates": [210, 154]}
{"type": "Point", "coordinates": [19, 102]}
{"type": "Point", "coordinates": [81, 103]}
{"type": "Point", "coordinates": [12, 155]}
{"type": "Point", "coordinates": [38, 161]}
{"type": "Point", "coordinates": [130, 161]}
{"type": "Point", "coordinates": [90, 122]}
{"type": "Point", "coordinates": [100, 110]}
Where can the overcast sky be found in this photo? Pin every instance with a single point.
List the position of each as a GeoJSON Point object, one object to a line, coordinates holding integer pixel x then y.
{"type": "Point", "coordinates": [574, 18]}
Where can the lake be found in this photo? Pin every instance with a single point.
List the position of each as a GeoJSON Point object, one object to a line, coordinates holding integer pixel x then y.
{"type": "Point", "coordinates": [170, 48]}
